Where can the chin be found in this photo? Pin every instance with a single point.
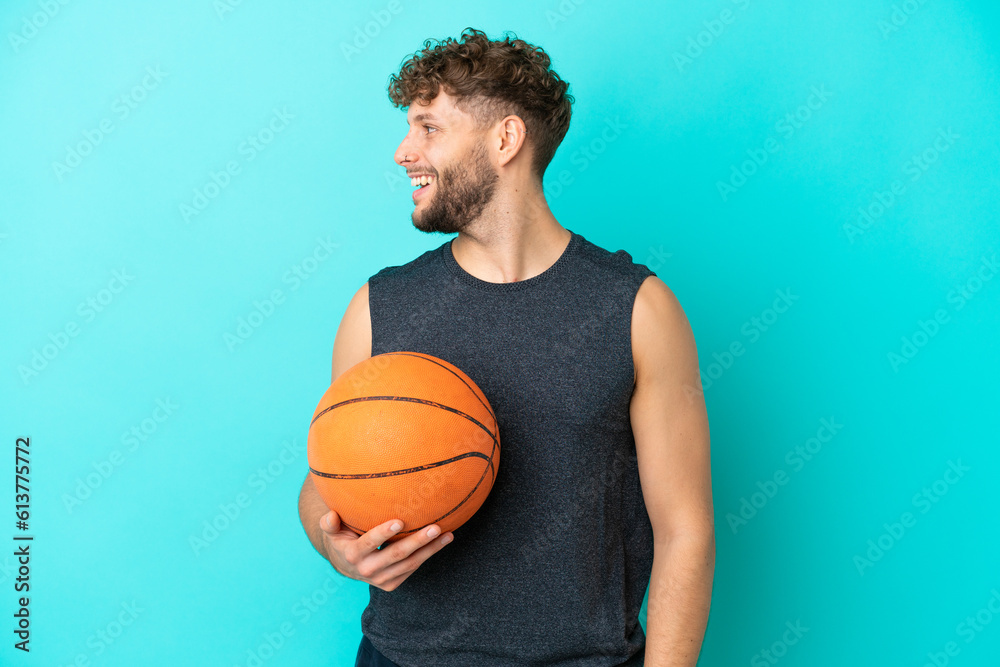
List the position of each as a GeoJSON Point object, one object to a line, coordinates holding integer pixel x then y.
{"type": "Point", "coordinates": [419, 224]}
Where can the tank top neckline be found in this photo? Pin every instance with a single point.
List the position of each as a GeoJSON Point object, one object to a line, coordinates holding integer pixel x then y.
{"type": "Point", "coordinates": [456, 269]}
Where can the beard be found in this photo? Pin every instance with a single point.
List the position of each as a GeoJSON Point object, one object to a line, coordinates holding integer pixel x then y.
{"type": "Point", "coordinates": [462, 193]}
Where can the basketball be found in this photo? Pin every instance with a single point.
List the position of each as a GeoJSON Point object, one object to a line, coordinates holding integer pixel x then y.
{"type": "Point", "coordinates": [403, 435]}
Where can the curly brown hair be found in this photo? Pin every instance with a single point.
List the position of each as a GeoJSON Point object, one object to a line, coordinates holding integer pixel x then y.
{"type": "Point", "coordinates": [491, 79]}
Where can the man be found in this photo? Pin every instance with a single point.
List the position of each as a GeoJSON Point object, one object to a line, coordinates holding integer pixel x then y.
{"type": "Point", "coordinates": [589, 362]}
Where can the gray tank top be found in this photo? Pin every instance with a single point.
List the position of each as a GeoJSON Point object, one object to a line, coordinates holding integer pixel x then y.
{"type": "Point", "coordinates": [554, 566]}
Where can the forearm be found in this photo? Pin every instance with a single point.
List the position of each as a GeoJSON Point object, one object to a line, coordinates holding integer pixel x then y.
{"type": "Point", "coordinates": [680, 594]}
{"type": "Point", "coordinates": [311, 509]}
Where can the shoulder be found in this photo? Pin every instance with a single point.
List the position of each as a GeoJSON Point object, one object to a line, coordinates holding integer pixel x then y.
{"type": "Point", "coordinates": [414, 266]}
{"type": "Point", "coordinates": [661, 333]}
{"type": "Point", "coordinates": [655, 303]}
{"type": "Point", "coordinates": [618, 263]}
{"type": "Point", "coordinates": [352, 343]}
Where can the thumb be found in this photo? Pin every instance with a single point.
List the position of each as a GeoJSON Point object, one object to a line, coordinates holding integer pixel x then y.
{"type": "Point", "coordinates": [330, 522]}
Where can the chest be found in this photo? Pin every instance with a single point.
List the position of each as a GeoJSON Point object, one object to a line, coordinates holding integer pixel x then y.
{"type": "Point", "coordinates": [566, 363]}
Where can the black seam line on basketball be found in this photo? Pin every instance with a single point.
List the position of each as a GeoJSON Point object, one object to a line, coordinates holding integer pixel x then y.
{"type": "Point", "coordinates": [357, 529]}
{"type": "Point", "coordinates": [493, 451]}
{"type": "Point", "coordinates": [489, 466]}
{"type": "Point", "coordinates": [354, 528]}
{"type": "Point", "coordinates": [462, 380]}
{"type": "Point", "coordinates": [464, 500]}
{"type": "Point", "coordinates": [404, 471]}
{"type": "Point", "coordinates": [492, 470]}
{"type": "Point", "coordinates": [453, 509]}
{"type": "Point", "coordinates": [410, 399]}
{"type": "Point", "coordinates": [474, 393]}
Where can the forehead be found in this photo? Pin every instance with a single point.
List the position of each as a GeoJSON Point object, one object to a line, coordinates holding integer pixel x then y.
{"type": "Point", "coordinates": [442, 109]}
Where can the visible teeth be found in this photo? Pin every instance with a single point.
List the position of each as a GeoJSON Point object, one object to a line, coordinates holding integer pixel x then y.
{"type": "Point", "coordinates": [421, 180]}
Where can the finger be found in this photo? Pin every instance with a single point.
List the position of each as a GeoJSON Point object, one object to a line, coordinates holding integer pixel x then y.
{"type": "Point", "coordinates": [401, 549]}
{"type": "Point", "coordinates": [394, 583]}
{"type": "Point", "coordinates": [334, 527]}
{"type": "Point", "coordinates": [416, 558]}
{"type": "Point", "coordinates": [374, 538]}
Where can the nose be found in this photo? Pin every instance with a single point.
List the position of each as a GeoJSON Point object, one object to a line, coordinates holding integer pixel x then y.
{"type": "Point", "coordinates": [405, 153]}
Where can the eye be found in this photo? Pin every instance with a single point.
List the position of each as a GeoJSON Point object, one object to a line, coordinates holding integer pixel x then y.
{"type": "Point", "coordinates": [429, 128]}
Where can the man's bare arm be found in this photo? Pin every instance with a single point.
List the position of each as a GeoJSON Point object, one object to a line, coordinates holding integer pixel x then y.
{"type": "Point", "coordinates": [351, 346]}
{"type": "Point", "coordinates": [366, 557]}
{"type": "Point", "coordinates": [311, 510]}
{"type": "Point", "coordinates": [670, 424]}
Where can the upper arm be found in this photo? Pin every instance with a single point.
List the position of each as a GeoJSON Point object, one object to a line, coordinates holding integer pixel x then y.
{"type": "Point", "coordinates": [668, 415]}
{"type": "Point", "coordinates": [353, 342]}
{"type": "Point", "coordinates": [351, 346]}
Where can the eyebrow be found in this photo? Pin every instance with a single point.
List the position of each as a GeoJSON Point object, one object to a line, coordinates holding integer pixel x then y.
{"type": "Point", "coordinates": [424, 116]}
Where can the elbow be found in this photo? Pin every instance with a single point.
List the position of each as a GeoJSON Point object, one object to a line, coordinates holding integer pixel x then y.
{"type": "Point", "coordinates": [699, 542]}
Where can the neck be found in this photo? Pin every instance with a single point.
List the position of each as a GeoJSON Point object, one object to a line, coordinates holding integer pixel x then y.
{"type": "Point", "coordinates": [515, 238]}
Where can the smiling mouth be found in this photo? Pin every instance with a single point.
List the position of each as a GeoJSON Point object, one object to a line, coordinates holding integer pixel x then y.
{"type": "Point", "coordinates": [419, 192]}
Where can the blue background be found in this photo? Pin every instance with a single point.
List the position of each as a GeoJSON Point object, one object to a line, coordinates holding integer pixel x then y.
{"type": "Point", "coordinates": [160, 96]}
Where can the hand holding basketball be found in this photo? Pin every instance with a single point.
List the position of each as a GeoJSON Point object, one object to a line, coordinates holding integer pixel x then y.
{"type": "Point", "coordinates": [359, 557]}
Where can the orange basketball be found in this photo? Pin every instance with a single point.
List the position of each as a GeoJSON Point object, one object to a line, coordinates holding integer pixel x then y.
{"type": "Point", "coordinates": [403, 435]}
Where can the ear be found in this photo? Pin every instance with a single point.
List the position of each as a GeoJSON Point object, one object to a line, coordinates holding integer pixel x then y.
{"type": "Point", "coordinates": [511, 136]}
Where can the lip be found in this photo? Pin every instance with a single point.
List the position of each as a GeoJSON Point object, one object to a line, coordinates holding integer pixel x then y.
{"type": "Point", "coordinates": [420, 192]}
